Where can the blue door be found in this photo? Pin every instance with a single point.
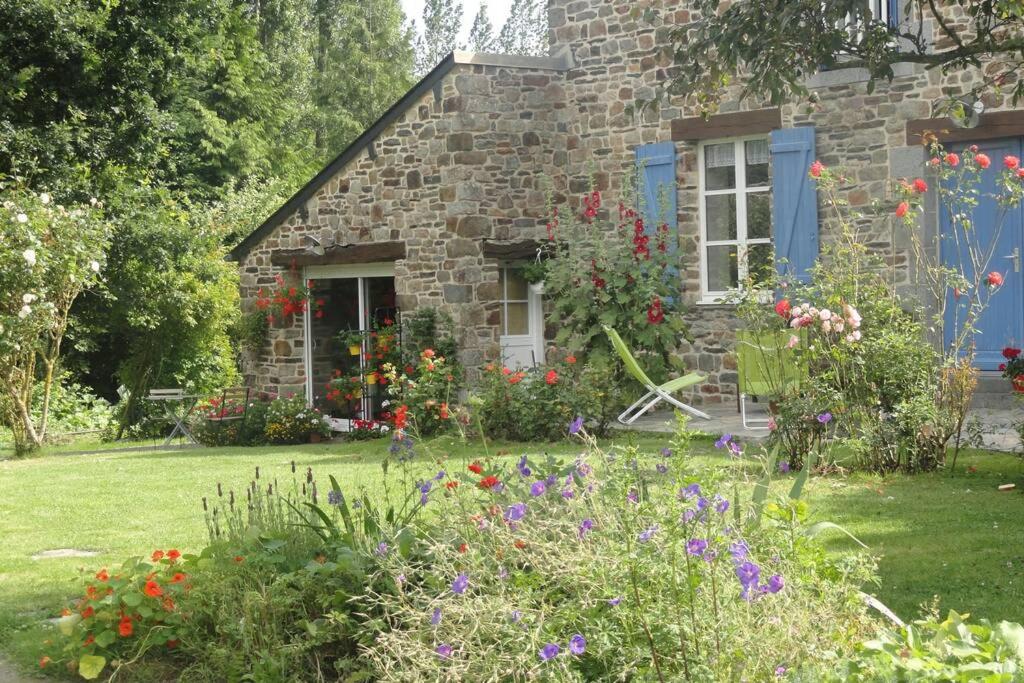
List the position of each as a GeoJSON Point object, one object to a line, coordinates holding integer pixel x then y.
{"type": "Point", "coordinates": [1002, 323]}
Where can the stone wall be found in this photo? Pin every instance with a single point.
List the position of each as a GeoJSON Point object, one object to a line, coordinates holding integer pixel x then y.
{"type": "Point", "coordinates": [619, 58]}
{"type": "Point", "coordinates": [463, 163]}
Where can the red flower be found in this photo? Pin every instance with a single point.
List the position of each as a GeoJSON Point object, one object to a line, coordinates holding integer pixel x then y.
{"type": "Point", "coordinates": [89, 640]}
{"type": "Point", "coordinates": [88, 612]}
{"type": "Point", "coordinates": [783, 308]}
{"type": "Point", "coordinates": [102, 575]}
{"type": "Point", "coordinates": [476, 468]}
{"type": "Point", "coordinates": [1009, 353]}
{"type": "Point", "coordinates": [173, 554]}
{"type": "Point", "coordinates": [982, 159]}
{"type": "Point", "coordinates": [953, 159]}
{"type": "Point", "coordinates": [935, 161]}
{"type": "Point", "coordinates": [463, 548]}
{"type": "Point", "coordinates": [125, 627]}
{"type": "Point", "coordinates": [1011, 162]}
{"type": "Point", "coordinates": [1002, 366]}
{"type": "Point", "coordinates": [901, 209]}
{"type": "Point", "coordinates": [654, 313]}
{"type": "Point", "coordinates": [451, 485]}
{"type": "Point", "coordinates": [153, 589]}
{"type": "Point", "coordinates": [520, 544]}
{"type": "Point", "coordinates": [516, 378]}
{"type": "Point", "coordinates": [239, 559]}
{"type": "Point", "coordinates": [43, 662]}
{"type": "Point", "coordinates": [551, 378]}
{"type": "Point", "coordinates": [488, 482]}
{"type": "Point", "coordinates": [158, 555]}
{"type": "Point", "coordinates": [570, 359]}
{"type": "Point", "coordinates": [178, 578]}
{"type": "Point", "coordinates": [816, 168]}
{"type": "Point", "coordinates": [444, 411]}
{"type": "Point", "coordinates": [920, 186]}
{"type": "Point", "coordinates": [401, 416]}
{"type": "Point", "coordinates": [428, 353]}
{"type": "Point", "coordinates": [994, 279]}
{"type": "Point", "coordinates": [171, 644]}
{"type": "Point", "coordinates": [506, 371]}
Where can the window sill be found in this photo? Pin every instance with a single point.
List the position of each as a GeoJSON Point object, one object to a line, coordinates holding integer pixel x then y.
{"type": "Point", "coordinates": [715, 303]}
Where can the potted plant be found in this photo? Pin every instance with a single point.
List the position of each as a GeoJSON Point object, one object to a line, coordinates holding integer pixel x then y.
{"type": "Point", "coordinates": [353, 339]}
{"type": "Point", "coordinates": [534, 273]}
{"type": "Point", "coordinates": [371, 377]}
{"type": "Point", "coordinates": [1013, 368]}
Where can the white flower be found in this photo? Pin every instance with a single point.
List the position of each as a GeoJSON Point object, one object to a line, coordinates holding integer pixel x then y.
{"type": "Point", "coordinates": [95, 266]}
{"type": "Point", "coordinates": [826, 326]}
{"type": "Point", "coordinates": [44, 198]}
{"type": "Point", "coordinates": [30, 257]}
{"type": "Point", "coordinates": [92, 201]}
{"type": "Point", "coordinates": [856, 335]}
{"type": "Point", "coordinates": [849, 338]}
{"type": "Point", "coordinates": [22, 218]}
{"type": "Point", "coordinates": [838, 326]}
{"type": "Point", "coordinates": [825, 314]}
{"type": "Point", "coordinates": [28, 298]}
{"type": "Point", "coordinates": [25, 311]}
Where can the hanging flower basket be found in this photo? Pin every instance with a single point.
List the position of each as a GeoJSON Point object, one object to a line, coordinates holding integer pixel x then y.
{"type": "Point", "coordinates": [354, 349]}
{"type": "Point", "coordinates": [371, 378]}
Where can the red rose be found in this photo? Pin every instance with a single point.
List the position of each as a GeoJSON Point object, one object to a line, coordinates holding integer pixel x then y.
{"type": "Point", "coordinates": [1011, 162]}
{"type": "Point", "coordinates": [982, 159]}
{"type": "Point", "coordinates": [953, 159]}
{"type": "Point", "coordinates": [1002, 366]}
{"type": "Point", "coordinates": [920, 186]}
{"type": "Point", "coordinates": [816, 168]}
{"type": "Point", "coordinates": [901, 209]}
{"type": "Point", "coordinates": [1009, 353]}
{"type": "Point", "coordinates": [783, 308]}
{"type": "Point", "coordinates": [994, 279]}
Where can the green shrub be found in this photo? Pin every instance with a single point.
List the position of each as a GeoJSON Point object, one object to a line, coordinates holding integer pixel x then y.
{"type": "Point", "coordinates": [74, 408]}
{"type": "Point", "coordinates": [249, 430]}
{"type": "Point", "coordinates": [289, 420]}
{"type": "Point", "coordinates": [528, 405]}
{"type": "Point", "coordinates": [428, 392]}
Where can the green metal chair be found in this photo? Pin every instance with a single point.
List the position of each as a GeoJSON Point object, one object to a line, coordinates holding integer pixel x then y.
{"type": "Point", "coordinates": [766, 367]}
{"type": "Point", "coordinates": [655, 392]}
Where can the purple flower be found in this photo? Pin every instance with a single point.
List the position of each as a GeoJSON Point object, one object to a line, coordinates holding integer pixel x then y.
{"type": "Point", "coordinates": [334, 497]}
{"type": "Point", "coordinates": [583, 469]}
{"type": "Point", "coordinates": [444, 650]}
{"type": "Point", "coordinates": [702, 503]}
{"type": "Point", "coordinates": [439, 476]}
{"type": "Point", "coordinates": [721, 504]}
{"type": "Point", "coordinates": [689, 492]}
{"type": "Point", "coordinates": [423, 499]}
{"type": "Point", "coordinates": [577, 644]}
{"type": "Point", "coordinates": [515, 616]}
{"type": "Point", "coordinates": [576, 425]}
{"type": "Point", "coordinates": [538, 488]}
{"type": "Point", "coordinates": [585, 527]}
{"type": "Point", "coordinates": [615, 601]}
{"type": "Point", "coordinates": [734, 448]}
{"type": "Point", "coordinates": [723, 441]}
{"type": "Point", "coordinates": [661, 468]}
{"type": "Point", "coordinates": [688, 516]}
{"type": "Point", "coordinates": [515, 512]}
{"type": "Point", "coordinates": [739, 551]}
{"type": "Point", "coordinates": [502, 574]}
{"type": "Point", "coordinates": [551, 480]}
{"type": "Point", "coordinates": [435, 618]}
{"type": "Point", "coordinates": [780, 671]}
{"type": "Point", "coordinates": [633, 496]}
{"type": "Point", "coordinates": [666, 452]}
{"type": "Point", "coordinates": [521, 466]}
{"type": "Point", "coordinates": [783, 466]}
{"type": "Point", "coordinates": [647, 534]}
{"type": "Point", "coordinates": [775, 584]}
{"type": "Point", "coordinates": [710, 556]}
{"type": "Point", "coordinates": [748, 573]}
{"type": "Point", "coordinates": [825, 418]}
{"type": "Point", "coordinates": [567, 493]}
{"type": "Point", "coordinates": [425, 487]}
{"type": "Point", "coordinates": [459, 584]}
{"type": "Point", "coordinates": [382, 549]}
{"type": "Point", "coordinates": [549, 651]}
{"type": "Point", "coordinates": [400, 578]}
{"type": "Point", "coordinates": [696, 546]}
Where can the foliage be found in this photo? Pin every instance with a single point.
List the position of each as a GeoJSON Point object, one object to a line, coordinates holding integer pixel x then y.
{"type": "Point", "coordinates": [953, 649]}
{"type": "Point", "coordinates": [288, 298]}
{"type": "Point", "coordinates": [617, 565]}
{"type": "Point", "coordinates": [250, 331]}
{"type": "Point", "coordinates": [442, 20]}
{"type": "Point", "coordinates": [73, 408]}
{"type": "Point", "coordinates": [525, 32]}
{"type": "Point", "coordinates": [611, 270]}
{"type": "Point", "coordinates": [481, 33]}
{"type": "Point", "coordinates": [1014, 365]}
{"type": "Point", "coordinates": [428, 392]}
{"type": "Point", "coordinates": [49, 255]}
{"type": "Point", "coordinates": [531, 405]}
{"type": "Point", "coordinates": [244, 426]}
{"type": "Point", "coordinates": [430, 328]}
{"type": "Point", "coordinates": [801, 37]}
{"type": "Point", "coordinates": [290, 420]}
{"type": "Point", "coordinates": [124, 615]}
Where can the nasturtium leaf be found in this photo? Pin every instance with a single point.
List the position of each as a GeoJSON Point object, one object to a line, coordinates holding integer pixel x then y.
{"type": "Point", "coordinates": [132, 599]}
{"type": "Point", "coordinates": [67, 624]}
{"type": "Point", "coordinates": [105, 638]}
{"type": "Point", "coordinates": [90, 666]}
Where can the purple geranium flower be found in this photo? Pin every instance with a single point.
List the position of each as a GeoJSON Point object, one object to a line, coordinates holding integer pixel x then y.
{"type": "Point", "coordinates": [710, 556]}
{"type": "Point", "coordinates": [459, 584]}
{"type": "Point", "coordinates": [567, 493]}
{"type": "Point", "coordinates": [783, 466]}
{"type": "Point", "coordinates": [688, 516]}
{"type": "Point", "coordinates": [444, 650]}
{"type": "Point", "coordinates": [739, 551]}
{"type": "Point", "coordinates": [435, 618]}
{"type": "Point", "coordinates": [549, 651]}
{"type": "Point", "coordinates": [585, 527]}
{"type": "Point", "coordinates": [515, 512]}
{"type": "Point", "coordinates": [647, 534]}
{"type": "Point", "coordinates": [633, 496]}
{"type": "Point", "coordinates": [439, 476]}
{"type": "Point", "coordinates": [825, 418]}
{"type": "Point", "coordinates": [666, 452]}
{"type": "Point", "coordinates": [382, 549]}
{"type": "Point", "coordinates": [723, 441]}
{"type": "Point", "coordinates": [734, 448]}
{"type": "Point", "coordinates": [576, 425]}
{"type": "Point", "coordinates": [615, 601]}
{"type": "Point", "coordinates": [689, 492]}
{"type": "Point", "coordinates": [521, 466]}
{"type": "Point", "coordinates": [661, 468]}
{"type": "Point", "coordinates": [775, 584]}
{"type": "Point", "coordinates": [702, 503]}
{"type": "Point", "coordinates": [696, 546]}
{"type": "Point", "coordinates": [577, 644]}
{"type": "Point", "coordinates": [721, 504]}
{"type": "Point", "coordinates": [538, 488]}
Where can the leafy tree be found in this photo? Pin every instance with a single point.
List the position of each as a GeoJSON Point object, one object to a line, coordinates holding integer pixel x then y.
{"type": "Point", "coordinates": [49, 256]}
{"type": "Point", "coordinates": [526, 30]}
{"type": "Point", "coordinates": [481, 34]}
{"type": "Point", "coordinates": [776, 44]}
{"type": "Point", "coordinates": [442, 20]}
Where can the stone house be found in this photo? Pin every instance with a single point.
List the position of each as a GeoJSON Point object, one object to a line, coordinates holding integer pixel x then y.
{"type": "Point", "coordinates": [440, 200]}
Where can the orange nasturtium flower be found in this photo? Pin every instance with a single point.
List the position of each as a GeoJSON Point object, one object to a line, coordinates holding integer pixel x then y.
{"type": "Point", "coordinates": [158, 555]}
{"type": "Point", "coordinates": [102, 575]}
{"type": "Point", "coordinates": [125, 626]}
{"type": "Point", "coordinates": [178, 578]}
{"type": "Point", "coordinates": [153, 589]}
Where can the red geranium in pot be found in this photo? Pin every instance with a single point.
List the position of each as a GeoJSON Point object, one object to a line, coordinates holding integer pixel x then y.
{"type": "Point", "coordinates": [1013, 368]}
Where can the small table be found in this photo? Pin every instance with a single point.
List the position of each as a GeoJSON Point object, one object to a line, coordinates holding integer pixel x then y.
{"type": "Point", "coordinates": [178, 406]}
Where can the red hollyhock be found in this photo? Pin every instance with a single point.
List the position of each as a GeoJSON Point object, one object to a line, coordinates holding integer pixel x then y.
{"type": "Point", "coordinates": [654, 313]}
{"type": "Point", "coordinates": [488, 482]}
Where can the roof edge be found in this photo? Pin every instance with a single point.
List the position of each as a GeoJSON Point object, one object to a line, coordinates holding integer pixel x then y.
{"type": "Point", "coordinates": [561, 62]}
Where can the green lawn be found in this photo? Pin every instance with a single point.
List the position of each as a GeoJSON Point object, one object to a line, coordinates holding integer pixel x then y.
{"type": "Point", "coordinates": [951, 536]}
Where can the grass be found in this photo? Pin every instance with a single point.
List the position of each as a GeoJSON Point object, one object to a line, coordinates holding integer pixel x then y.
{"type": "Point", "coordinates": [952, 536]}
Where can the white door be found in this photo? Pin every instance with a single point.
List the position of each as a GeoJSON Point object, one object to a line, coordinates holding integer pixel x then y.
{"type": "Point", "coordinates": [522, 321]}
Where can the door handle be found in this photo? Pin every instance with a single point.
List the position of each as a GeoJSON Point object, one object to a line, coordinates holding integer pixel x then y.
{"type": "Point", "coordinates": [1015, 257]}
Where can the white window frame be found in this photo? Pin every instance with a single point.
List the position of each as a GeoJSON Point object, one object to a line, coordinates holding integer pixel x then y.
{"type": "Point", "coordinates": [534, 337]}
{"type": "Point", "coordinates": [709, 296]}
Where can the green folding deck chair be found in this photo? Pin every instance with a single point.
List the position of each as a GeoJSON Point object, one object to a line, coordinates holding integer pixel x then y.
{"type": "Point", "coordinates": [766, 367]}
{"type": "Point", "coordinates": [655, 392]}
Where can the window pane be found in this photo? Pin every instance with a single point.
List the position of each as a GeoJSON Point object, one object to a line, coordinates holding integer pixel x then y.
{"type": "Point", "coordinates": [760, 264]}
{"type": "Point", "coordinates": [756, 153]}
{"type": "Point", "coordinates": [759, 215]}
{"type": "Point", "coordinates": [719, 166]}
{"type": "Point", "coordinates": [721, 216]}
{"type": "Point", "coordinates": [723, 273]}
{"type": "Point", "coordinates": [501, 284]}
{"type": "Point", "coordinates": [516, 285]}
{"type": "Point", "coordinates": [518, 320]}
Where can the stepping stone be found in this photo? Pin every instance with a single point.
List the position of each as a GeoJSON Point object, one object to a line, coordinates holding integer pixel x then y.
{"type": "Point", "coordinates": [63, 552]}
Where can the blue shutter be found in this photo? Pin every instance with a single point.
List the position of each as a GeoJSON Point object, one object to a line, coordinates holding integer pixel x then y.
{"type": "Point", "coordinates": [656, 185]}
{"type": "Point", "coordinates": [794, 202]}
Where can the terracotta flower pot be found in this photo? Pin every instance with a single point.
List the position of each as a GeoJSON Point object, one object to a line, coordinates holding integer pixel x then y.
{"type": "Point", "coordinates": [1018, 384]}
